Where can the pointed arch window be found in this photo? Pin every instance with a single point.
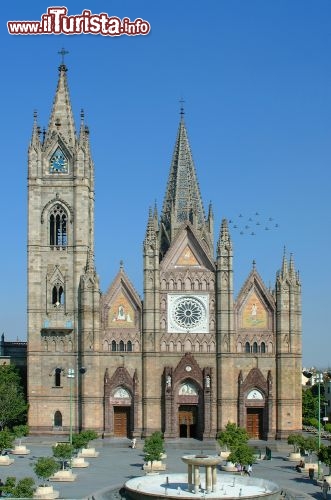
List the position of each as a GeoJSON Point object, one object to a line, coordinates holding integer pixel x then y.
{"type": "Point", "coordinates": [247, 347]}
{"type": "Point", "coordinates": [113, 346]}
{"type": "Point", "coordinates": [58, 226]}
{"type": "Point", "coordinates": [263, 348]}
{"type": "Point", "coordinates": [121, 345]}
{"type": "Point", "coordinates": [58, 295]}
{"type": "Point", "coordinates": [129, 346]}
{"type": "Point", "coordinates": [255, 347]}
{"type": "Point", "coordinates": [57, 419]}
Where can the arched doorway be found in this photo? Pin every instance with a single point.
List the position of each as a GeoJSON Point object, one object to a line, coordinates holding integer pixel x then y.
{"type": "Point", "coordinates": [121, 404]}
{"type": "Point", "coordinates": [188, 414]}
{"type": "Point", "coordinates": [255, 404]}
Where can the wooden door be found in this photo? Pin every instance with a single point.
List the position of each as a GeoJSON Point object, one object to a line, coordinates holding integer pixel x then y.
{"type": "Point", "coordinates": [254, 422]}
{"type": "Point", "coordinates": [187, 420]}
{"type": "Point", "coordinates": [121, 421]}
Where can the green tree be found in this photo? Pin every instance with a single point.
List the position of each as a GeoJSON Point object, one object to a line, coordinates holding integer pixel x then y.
{"type": "Point", "coordinates": [324, 455]}
{"type": "Point", "coordinates": [310, 444]}
{"type": "Point", "coordinates": [9, 486]}
{"type": "Point", "coordinates": [45, 467]}
{"type": "Point", "coordinates": [297, 441]}
{"type": "Point", "coordinates": [83, 439]}
{"type": "Point", "coordinates": [88, 436]}
{"type": "Point", "coordinates": [78, 442]}
{"type": "Point", "coordinates": [63, 451]}
{"type": "Point", "coordinates": [232, 436]}
{"type": "Point", "coordinates": [23, 489]}
{"type": "Point", "coordinates": [313, 422]}
{"type": "Point", "coordinates": [20, 431]}
{"type": "Point", "coordinates": [153, 448]}
{"type": "Point", "coordinates": [310, 406]}
{"type": "Point", "coordinates": [13, 406]}
{"type": "Point", "coordinates": [6, 440]}
{"type": "Point", "coordinates": [242, 454]}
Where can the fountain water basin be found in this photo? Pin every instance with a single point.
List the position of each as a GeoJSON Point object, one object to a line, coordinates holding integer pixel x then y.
{"type": "Point", "coordinates": [209, 483]}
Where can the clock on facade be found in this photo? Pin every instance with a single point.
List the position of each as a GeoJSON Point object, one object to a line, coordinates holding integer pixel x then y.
{"type": "Point", "coordinates": [187, 313]}
{"type": "Point", "coordinates": [58, 162]}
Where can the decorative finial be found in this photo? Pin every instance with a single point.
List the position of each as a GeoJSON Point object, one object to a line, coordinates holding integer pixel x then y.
{"type": "Point", "coordinates": [181, 102]}
{"type": "Point", "coordinates": [254, 264]}
{"type": "Point", "coordinates": [121, 265]}
{"type": "Point", "coordinates": [82, 115]}
{"type": "Point", "coordinates": [62, 53]}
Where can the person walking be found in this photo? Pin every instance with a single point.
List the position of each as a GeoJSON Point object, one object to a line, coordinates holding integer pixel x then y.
{"type": "Point", "coordinates": [325, 489]}
{"type": "Point", "coordinates": [133, 443]}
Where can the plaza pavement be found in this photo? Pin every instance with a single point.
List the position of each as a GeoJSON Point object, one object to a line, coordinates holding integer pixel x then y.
{"type": "Point", "coordinates": [117, 463]}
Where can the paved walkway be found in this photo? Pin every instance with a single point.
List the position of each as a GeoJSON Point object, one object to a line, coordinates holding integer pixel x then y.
{"type": "Point", "coordinates": [117, 463]}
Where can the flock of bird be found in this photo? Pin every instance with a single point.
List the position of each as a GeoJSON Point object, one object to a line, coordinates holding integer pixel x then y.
{"type": "Point", "coordinates": [252, 224]}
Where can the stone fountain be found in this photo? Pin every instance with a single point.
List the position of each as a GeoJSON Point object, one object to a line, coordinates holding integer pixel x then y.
{"type": "Point", "coordinates": [208, 483]}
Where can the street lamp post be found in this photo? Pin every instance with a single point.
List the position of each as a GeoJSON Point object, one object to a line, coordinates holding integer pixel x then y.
{"type": "Point", "coordinates": [71, 376]}
{"type": "Point", "coordinates": [319, 380]}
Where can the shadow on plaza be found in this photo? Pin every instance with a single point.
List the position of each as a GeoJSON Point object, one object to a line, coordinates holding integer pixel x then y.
{"type": "Point", "coordinates": [140, 464]}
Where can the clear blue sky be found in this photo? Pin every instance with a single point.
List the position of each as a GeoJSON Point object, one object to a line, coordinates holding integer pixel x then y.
{"type": "Point", "coordinates": [256, 79]}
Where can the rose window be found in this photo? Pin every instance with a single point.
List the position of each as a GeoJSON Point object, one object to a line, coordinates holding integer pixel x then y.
{"type": "Point", "coordinates": [188, 313]}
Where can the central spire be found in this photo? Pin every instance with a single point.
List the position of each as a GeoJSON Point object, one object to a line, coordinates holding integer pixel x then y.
{"type": "Point", "coordinates": [61, 119]}
{"type": "Point", "coordinates": [182, 202]}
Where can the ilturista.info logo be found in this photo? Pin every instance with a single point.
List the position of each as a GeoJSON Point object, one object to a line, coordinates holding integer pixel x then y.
{"type": "Point", "coordinates": [56, 21]}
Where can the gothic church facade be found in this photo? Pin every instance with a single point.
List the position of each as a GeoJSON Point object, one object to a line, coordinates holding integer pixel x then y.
{"type": "Point", "coordinates": [187, 358]}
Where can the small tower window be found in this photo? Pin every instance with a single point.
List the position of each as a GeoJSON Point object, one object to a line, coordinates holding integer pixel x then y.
{"type": "Point", "coordinates": [57, 377]}
{"type": "Point", "coordinates": [58, 227]}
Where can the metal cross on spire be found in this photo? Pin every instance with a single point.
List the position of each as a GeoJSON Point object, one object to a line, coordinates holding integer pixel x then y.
{"type": "Point", "coordinates": [62, 53]}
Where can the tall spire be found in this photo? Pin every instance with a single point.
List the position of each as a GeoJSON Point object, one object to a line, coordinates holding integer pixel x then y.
{"type": "Point", "coordinates": [150, 237]}
{"type": "Point", "coordinates": [61, 119]}
{"type": "Point", "coordinates": [292, 267]}
{"type": "Point", "coordinates": [182, 201]}
{"type": "Point", "coordinates": [284, 264]}
{"type": "Point", "coordinates": [224, 240]}
{"type": "Point", "coordinates": [35, 140]}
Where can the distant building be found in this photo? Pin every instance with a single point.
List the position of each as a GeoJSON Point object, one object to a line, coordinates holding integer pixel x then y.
{"type": "Point", "coordinates": [14, 353]}
{"type": "Point", "coordinates": [187, 358]}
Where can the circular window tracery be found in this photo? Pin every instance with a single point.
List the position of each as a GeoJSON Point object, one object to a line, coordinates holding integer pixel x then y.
{"type": "Point", "coordinates": [188, 312]}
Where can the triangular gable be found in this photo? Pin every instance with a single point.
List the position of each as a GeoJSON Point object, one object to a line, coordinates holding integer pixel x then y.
{"type": "Point", "coordinates": [187, 250]}
{"type": "Point", "coordinates": [255, 305]}
{"type": "Point", "coordinates": [121, 304]}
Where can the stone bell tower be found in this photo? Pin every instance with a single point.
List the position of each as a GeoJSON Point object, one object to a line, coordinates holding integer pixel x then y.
{"type": "Point", "coordinates": [60, 255]}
